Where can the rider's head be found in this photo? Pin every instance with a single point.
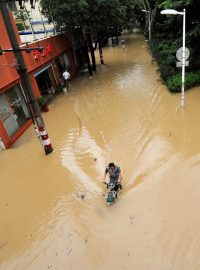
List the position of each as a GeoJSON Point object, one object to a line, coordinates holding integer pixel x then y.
{"type": "Point", "coordinates": [111, 165]}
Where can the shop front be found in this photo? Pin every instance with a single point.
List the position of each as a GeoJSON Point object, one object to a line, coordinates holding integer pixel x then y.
{"type": "Point", "coordinates": [49, 78]}
{"type": "Point", "coordinates": [46, 82]}
{"type": "Point", "coordinates": [45, 77]}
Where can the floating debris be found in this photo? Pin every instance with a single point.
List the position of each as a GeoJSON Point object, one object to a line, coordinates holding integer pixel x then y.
{"type": "Point", "coordinates": [131, 219]}
{"type": "Point", "coordinates": [82, 196]}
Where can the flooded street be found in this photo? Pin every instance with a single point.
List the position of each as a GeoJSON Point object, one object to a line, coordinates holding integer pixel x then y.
{"type": "Point", "coordinates": [53, 210]}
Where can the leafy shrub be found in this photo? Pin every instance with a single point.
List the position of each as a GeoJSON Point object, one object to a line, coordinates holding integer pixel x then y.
{"type": "Point", "coordinates": [41, 100]}
{"type": "Point", "coordinates": [191, 79]}
{"type": "Point", "coordinates": [165, 54]}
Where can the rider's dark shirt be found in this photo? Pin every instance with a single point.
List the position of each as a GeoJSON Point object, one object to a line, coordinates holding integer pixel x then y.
{"type": "Point", "coordinates": [114, 175]}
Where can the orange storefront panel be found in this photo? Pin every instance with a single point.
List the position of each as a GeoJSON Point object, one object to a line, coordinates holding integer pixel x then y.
{"type": "Point", "coordinates": [58, 43]}
{"type": "Point", "coordinates": [8, 72]}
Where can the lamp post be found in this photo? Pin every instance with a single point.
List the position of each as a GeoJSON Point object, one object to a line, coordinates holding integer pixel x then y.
{"type": "Point", "coordinates": [174, 12]}
{"type": "Point", "coordinates": [149, 21]}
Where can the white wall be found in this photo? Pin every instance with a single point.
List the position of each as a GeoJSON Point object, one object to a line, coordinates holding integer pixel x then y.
{"type": "Point", "coordinates": [37, 25]}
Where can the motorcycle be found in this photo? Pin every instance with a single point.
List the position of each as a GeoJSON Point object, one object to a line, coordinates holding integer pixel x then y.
{"type": "Point", "coordinates": [112, 194]}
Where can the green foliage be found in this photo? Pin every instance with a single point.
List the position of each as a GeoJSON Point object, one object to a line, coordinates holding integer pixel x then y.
{"type": "Point", "coordinates": [165, 55]}
{"type": "Point", "coordinates": [176, 4]}
{"type": "Point", "coordinates": [91, 15]}
{"type": "Point", "coordinates": [191, 79]}
{"type": "Point", "coordinates": [167, 35]}
{"type": "Point", "coordinates": [21, 14]}
{"type": "Point", "coordinates": [41, 100]}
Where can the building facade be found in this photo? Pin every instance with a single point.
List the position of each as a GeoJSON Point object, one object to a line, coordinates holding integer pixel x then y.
{"type": "Point", "coordinates": [32, 25]}
{"type": "Point", "coordinates": [45, 73]}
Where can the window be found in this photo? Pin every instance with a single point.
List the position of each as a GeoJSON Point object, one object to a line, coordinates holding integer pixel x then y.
{"type": "Point", "coordinates": [13, 109]}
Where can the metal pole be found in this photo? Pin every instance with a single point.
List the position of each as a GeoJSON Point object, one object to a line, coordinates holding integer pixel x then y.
{"type": "Point", "coordinates": [42, 21]}
{"type": "Point", "coordinates": [55, 32]}
{"type": "Point", "coordinates": [22, 71]}
{"type": "Point", "coordinates": [183, 64]}
{"type": "Point", "coordinates": [149, 13]}
{"type": "Point", "coordinates": [32, 30]}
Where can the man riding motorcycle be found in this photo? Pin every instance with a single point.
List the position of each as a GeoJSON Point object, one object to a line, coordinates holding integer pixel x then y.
{"type": "Point", "coordinates": [114, 175]}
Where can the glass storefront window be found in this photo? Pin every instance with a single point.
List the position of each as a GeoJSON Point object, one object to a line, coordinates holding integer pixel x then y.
{"type": "Point", "coordinates": [13, 109]}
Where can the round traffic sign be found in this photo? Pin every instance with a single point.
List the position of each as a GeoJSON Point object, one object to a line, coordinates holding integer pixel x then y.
{"type": "Point", "coordinates": [180, 54]}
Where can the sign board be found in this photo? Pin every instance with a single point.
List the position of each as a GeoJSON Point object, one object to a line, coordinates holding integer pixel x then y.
{"type": "Point", "coordinates": [180, 53]}
{"type": "Point", "coordinates": [180, 64]}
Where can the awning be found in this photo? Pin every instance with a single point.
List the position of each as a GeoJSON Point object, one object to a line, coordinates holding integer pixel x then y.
{"type": "Point", "coordinates": [41, 70]}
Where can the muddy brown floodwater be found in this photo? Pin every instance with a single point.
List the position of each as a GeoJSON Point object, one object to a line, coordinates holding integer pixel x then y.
{"type": "Point", "coordinates": [53, 213]}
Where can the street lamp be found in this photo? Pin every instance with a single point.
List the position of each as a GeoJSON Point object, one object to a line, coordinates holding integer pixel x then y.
{"type": "Point", "coordinates": [149, 22]}
{"type": "Point", "coordinates": [174, 12]}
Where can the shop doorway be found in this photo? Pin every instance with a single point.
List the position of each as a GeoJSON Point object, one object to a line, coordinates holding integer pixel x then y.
{"type": "Point", "coordinates": [46, 83]}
